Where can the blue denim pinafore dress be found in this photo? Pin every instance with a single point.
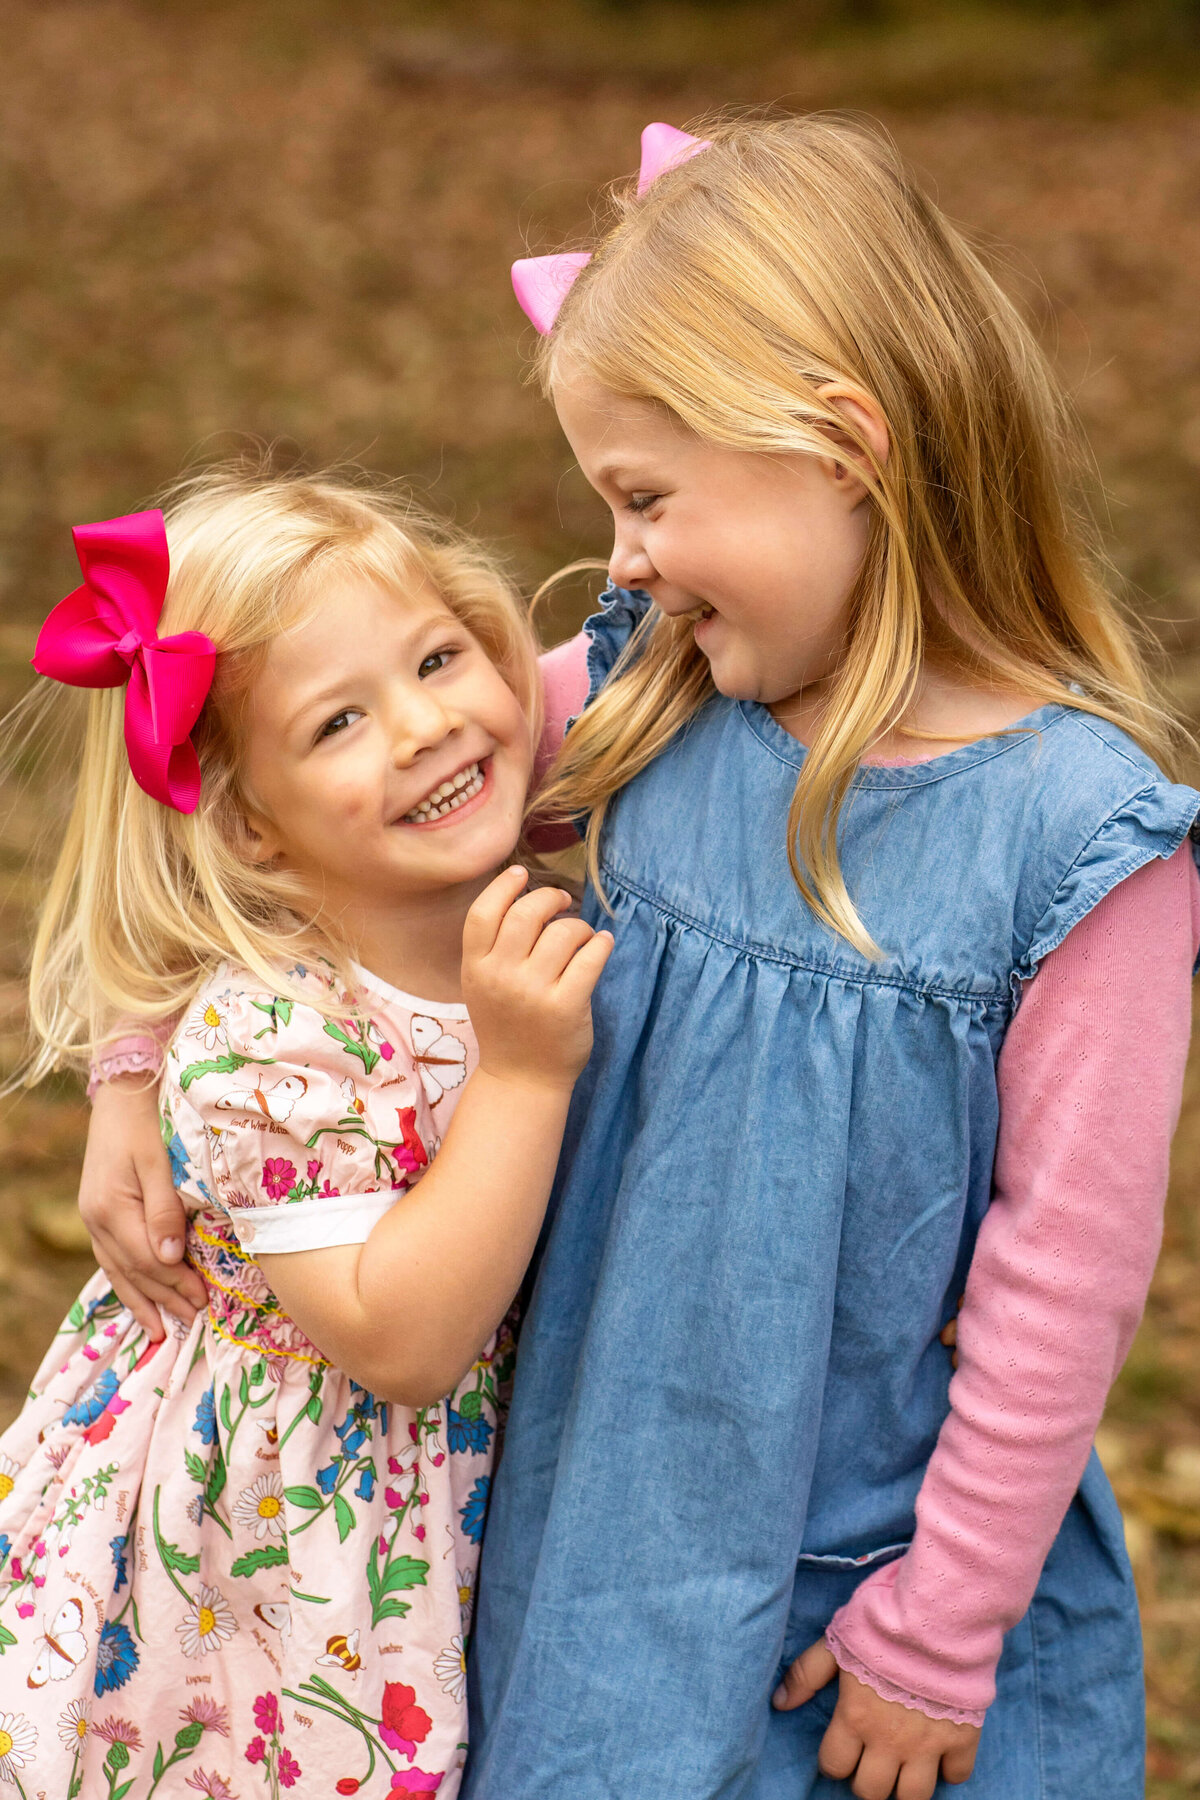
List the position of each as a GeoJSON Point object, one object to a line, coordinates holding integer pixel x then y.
{"type": "Point", "coordinates": [776, 1162]}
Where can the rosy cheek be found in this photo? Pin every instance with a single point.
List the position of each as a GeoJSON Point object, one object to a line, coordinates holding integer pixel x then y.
{"type": "Point", "coordinates": [345, 801]}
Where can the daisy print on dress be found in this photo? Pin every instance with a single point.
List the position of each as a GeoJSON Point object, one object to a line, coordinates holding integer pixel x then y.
{"type": "Point", "coordinates": [207, 1624]}
{"type": "Point", "coordinates": [9, 1470]}
{"type": "Point", "coordinates": [440, 1058]}
{"type": "Point", "coordinates": [451, 1668]}
{"type": "Point", "coordinates": [206, 1025]}
{"type": "Point", "coordinates": [18, 1741]}
{"type": "Point", "coordinates": [259, 1508]}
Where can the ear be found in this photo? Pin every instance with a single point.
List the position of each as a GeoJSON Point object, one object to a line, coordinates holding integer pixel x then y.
{"type": "Point", "coordinates": [864, 417]}
{"type": "Point", "coordinates": [260, 841]}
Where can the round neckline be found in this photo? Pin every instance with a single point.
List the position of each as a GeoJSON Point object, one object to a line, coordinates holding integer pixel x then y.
{"type": "Point", "coordinates": [417, 1003]}
{"type": "Point", "coordinates": [788, 749]}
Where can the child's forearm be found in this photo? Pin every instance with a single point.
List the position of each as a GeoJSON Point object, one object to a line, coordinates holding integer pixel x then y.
{"type": "Point", "coordinates": [407, 1312]}
{"type": "Point", "coordinates": [1089, 1084]}
{"type": "Point", "coordinates": [439, 1271]}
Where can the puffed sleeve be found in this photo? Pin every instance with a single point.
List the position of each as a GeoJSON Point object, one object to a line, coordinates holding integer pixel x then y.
{"type": "Point", "coordinates": [306, 1128]}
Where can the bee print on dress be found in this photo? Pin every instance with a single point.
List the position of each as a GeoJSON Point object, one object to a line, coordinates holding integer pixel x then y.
{"type": "Point", "coordinates": [342, 1653]}
{"type": "Point", "coordinates": [441, 1059]}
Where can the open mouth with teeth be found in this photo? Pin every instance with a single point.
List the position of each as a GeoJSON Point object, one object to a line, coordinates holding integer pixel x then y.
{"type": "Point", "coordinates": [448, 798]}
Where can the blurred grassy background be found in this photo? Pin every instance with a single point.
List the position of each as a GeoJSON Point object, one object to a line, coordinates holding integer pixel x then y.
{"type": "Point", "coordinates": [292, 220]}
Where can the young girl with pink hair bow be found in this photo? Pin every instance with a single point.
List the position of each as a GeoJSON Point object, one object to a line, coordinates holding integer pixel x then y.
{"type": "Point", "coordinates": [241, 1557]}
{"type": "Point", "coordinates": [872, 777]}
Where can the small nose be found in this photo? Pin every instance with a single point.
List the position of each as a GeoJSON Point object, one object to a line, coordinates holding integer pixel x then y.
{"type": "Point", "coordinates": [629, 565]}
{"type": "Point", "coordinates": [422, 723]}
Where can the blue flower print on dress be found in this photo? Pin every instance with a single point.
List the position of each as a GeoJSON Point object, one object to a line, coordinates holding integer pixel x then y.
{"type": "Point", "coordinates": [117, 1546]}
{"type": "Point", "coordinates": [471, 1435]}
{"type": "Point", "coordinates": [327, 1477]}
{"type": "Point", "coordinates": [474, 1512]}
{"type": "Point", "coordinates": [205, 1421]}
{"type": "Point", "coordinates": [5, 1546]}
{"type": "Point", "coordinates": [177, 1152]}
{"type": "Point", "coordinates": [93, 1400]}
{"type": "Point", "coordinates": [352, 1435]}
{"type": "Point", "coordinates": [116, 1658]}
{"type": "Point", "coordinates": [365, 1485]}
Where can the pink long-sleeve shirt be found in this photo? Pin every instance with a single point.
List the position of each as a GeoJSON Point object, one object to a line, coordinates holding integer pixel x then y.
{"type": "Point", "coordinates": [1090, 1078]}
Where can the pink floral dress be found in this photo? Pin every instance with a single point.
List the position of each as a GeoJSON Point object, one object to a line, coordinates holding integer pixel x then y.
{"type": "Point", "coordinates": [228, 1569]}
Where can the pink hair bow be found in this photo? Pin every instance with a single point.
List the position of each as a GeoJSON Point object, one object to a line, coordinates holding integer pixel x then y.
{"type": "Point", "coordinates": [541, 283]}
{"type": "Point", "coordinates": [105, 634]}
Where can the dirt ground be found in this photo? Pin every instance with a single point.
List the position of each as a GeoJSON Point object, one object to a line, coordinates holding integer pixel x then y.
{"type": "Point", "coordinates": [292, 222]}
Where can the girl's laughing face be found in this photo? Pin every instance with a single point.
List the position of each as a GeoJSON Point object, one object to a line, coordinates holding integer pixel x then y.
{"type": "Point", "coordinates": [761, 550]}
{"type": "Point", "coordinates": [385, 756]}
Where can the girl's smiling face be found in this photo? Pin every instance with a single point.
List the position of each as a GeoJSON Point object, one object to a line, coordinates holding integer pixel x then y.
{"type": "Point", "coordinates": [763, 549]}
{"type": "Point", "coordinates": [385, 757]}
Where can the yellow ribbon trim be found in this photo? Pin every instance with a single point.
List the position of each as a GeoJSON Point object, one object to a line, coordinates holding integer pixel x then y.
{"type": "Point", "coordinates": [322, 1362]}
{"type": "Point", "coordinates": [260, 1306]}
{"type": "Point", "coordinates": [219, 1243]}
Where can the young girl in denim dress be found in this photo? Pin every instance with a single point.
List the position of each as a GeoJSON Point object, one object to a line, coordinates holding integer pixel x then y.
{"type": "Point", "coordinates": [905, 915]}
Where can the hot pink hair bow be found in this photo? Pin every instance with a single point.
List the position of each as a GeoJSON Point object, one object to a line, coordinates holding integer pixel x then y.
{"type": "Point", "coordinates": [541, 283]}
{"type": "Point", "coordinates": [105, 633]}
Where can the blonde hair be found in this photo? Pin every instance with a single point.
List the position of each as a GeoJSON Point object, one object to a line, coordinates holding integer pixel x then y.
{"type": "Point", "coordinates": [797, 253]}
{"type": "Point", "coordinates": [145, 902]}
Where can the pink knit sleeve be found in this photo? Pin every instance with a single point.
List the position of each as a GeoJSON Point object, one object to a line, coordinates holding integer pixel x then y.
{"type": "Point", "coordinates": [139, 1051]}
{"type": "Point", "coordinates": [1090, 1078]}
{"type": "Point", "coordinates": [565, 689]}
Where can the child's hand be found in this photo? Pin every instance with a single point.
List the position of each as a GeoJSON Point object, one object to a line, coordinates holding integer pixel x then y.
{"type": "Point", "coordinates": [128, 1202]}
{"type": "Point", "coordinates": [877, 1745]}
{"type": "Point", "coordinates": [527, 979]}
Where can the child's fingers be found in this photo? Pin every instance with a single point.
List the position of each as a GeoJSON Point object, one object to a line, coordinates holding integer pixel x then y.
{"type": "Point", "coordinates": [142, 1292]}
{"type": "Point", "coordinates": [123, 1251]}
{"type": "Point", "coordinates": [959, 1764]}
{"type": "Point", "coordinates": [484, 919]}
{"type": "Point", "coordinates": [146, 1314]}
{"type": "Point", "coordinates": [918, 1779]}
{"type": "Point", "coordinates": [948, 1335]}
{"type": "Point", "coordinates": [558, 943]}
{"type": "Point", "coordinates": [526, 919]}
{"type": "Point", "coordinates": [840, 1749]}
{"type": "Point", "coordinates": [581, 974]}
{"type": "Point", "coordinates": [814, 1668]}
{"type": "Point", "coordinates": [876, 1775]}
{"type": "Point", "coordinates": [166, 1221]}
{"type": "Point", "coordinates": [146, 1297]}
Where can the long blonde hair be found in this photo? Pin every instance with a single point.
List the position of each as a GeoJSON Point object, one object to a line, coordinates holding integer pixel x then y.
{"type": "Point", "coordinates": [797, 253]}
{"type": "Point", "coordinates": [145, 902]}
